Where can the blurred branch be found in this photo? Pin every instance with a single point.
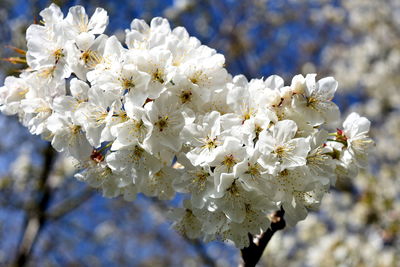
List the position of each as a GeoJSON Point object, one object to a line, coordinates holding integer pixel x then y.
{"type": "Point", "coordinates": [36, 214]}
{"type": "Point", "coordinates": [70, 204]}
{"type": "Point", "coordinates": [201, 250]}
{"type": "Point", "coordinates": [252, 254]}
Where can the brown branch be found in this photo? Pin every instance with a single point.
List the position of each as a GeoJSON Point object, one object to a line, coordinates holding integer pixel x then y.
{"type": "Point", "coordinates": [252, 254]}
{"type": "Point", "coordinates": [36, 214]}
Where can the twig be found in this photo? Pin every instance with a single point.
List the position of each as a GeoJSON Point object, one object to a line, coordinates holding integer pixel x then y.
{"type": "Point", "coordinates": [252, 254]}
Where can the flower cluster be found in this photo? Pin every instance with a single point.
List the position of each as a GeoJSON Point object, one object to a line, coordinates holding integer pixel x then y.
{"type": "Point", "coordinates": [161, 115]}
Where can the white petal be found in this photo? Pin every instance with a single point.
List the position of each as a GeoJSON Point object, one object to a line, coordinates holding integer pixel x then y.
{"type": "Point", "coordinates": [274, 82]}
{"type": "Point", "coordinates": [284, 131]}
{"type": "Point", "coordinates": [226, 180]}
{"type": "Point", "coordinates": [140, 26]}
{"type": "Point", "coordinates": [327, 87]}
{"type": "Point", "coordinates": [79, 89]}
{"type": "Point", "coordinates": [310, 84]}
{"type": "Point", "coordinates": [98, 22]}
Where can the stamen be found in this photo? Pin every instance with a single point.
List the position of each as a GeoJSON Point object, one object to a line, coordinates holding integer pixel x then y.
{"type": "Point", "coordinates": [91, 58]}
{"type": "Point", "coordinates": [162, 123]}
{"type": "Point", "coordinates": [186, 96]}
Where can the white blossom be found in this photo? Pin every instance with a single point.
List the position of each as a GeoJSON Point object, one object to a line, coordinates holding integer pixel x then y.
{"type": "Point", "coordinates": [316, 100]}
{"type": "Point", "coordinates": [68, 137]}
{"type": "Point", "coordinates": [280, 149]}
{"type": "Point", "coordinates": [355, 133]}
{"type": "Point", "coordinates": [77, 21]}
{"type": "Point", "coordinates": [162, 115]}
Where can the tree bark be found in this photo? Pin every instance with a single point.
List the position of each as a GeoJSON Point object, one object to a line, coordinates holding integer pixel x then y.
{"type": "Point", "coordinates": [252, 254]}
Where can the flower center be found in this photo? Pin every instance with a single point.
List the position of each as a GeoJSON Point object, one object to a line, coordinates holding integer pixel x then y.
{"type": "Point", "coordinates": [186, 96]}
{"type": "Point", "coordinates": [58, 54]}
{"type": "Point", "coordinates": [128, 84]}
{"type": "Point", "coordinates": [311, 101]}
{"type": "Point", "coordinates": [229, 161]}
{"type": "Point", "coordinates": [210, 143]}
{"type": "Point", "coordinates": [137, 153]}
{"type": "Point", "coordinates": [162, 123]}
{"type": "Point", "coordinates": [253, 170]}
{"type": "Point", "coordinates": [75, 129]}
{"type": "Point", "coordinates": [91, 58]}
{"type": "Point", "coordinates": [197, 77]}
{"type": "Point", "coordinates": [158, 75]}
{"type": "Point", "coordinates": [282, 150]}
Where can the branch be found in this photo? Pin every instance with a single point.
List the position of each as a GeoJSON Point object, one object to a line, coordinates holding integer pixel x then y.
{"type": "Point", "coordinates": [201, 251]}
{"type": "Point", "coordinates": [252, 254]}
{"type": "Point", "coordinates": [70, 204]}
{"type": "Point", "coordinates": [36, 216]}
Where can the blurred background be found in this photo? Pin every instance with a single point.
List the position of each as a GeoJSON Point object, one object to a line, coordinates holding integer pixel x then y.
{"type": "Point", "coordinates": [47, 218]}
